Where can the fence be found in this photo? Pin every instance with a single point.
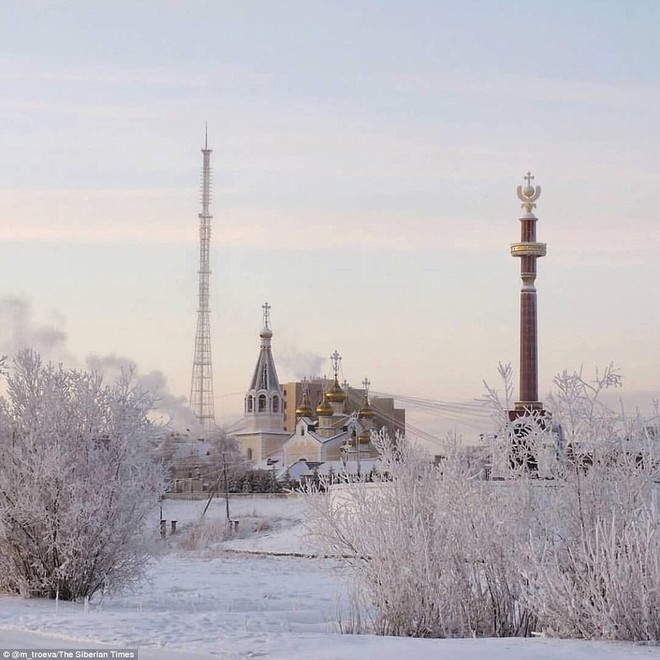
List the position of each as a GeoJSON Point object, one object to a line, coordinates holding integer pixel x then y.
{"type": "Point", "coordinates": [218, 495]}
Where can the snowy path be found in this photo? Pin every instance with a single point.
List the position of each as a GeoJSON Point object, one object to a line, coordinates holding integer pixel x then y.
{"type": "Point", "coordinates": [192, 602]}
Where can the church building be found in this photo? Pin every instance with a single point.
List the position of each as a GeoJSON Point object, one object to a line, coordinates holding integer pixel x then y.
{"type": "Point", "coordinates": [263, 432]}
{"type": "Point", "coordinates": [327, 433]}
{"type": "Point", "coordinates": [330, 433]}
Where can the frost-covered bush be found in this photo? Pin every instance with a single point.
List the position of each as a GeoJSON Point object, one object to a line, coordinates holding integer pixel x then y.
{"type": "Point", "coordinates": [204, 535]}
{"type": "Point", "coordinates": [430, 546]}
{"type": "Point", "coordinates": [565, 539]}
{"type": "Point", "coordinates": [77, 484]}
{"type": "Point", "coordinates": [593, 562]}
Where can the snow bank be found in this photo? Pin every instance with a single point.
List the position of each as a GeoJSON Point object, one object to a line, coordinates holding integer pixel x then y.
{"type": "Point", "coordinates": [231, 606]}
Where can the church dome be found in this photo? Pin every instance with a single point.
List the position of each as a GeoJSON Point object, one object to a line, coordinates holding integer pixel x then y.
{"type": "Point", "coordinates": [325, 409]}
{"type": "Point", "coordinates": [364, 437]}
{"type": "Point", "coordinates": [304, 409]}
{"type": "Point", "coordinates": [335, 394]}
{"type": "Point", "coordinates": [266, 333]}
{"type": "Point", "coordinates": [366, 412]}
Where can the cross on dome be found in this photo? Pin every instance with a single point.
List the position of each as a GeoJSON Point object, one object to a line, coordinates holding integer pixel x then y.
{"type": "Point", "coordinates": [529, 178]}
{"type": "Point", "coordinates": [266, 307]}
{"type": "Point", "coordinates": [335, 358]}
{"type": "Point", "coordinates": [366, 382]}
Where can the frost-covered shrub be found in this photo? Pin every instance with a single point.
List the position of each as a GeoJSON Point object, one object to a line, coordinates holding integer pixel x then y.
{"type": "Point", "coordinates": [593, 563]}
{"type": "Point", "coordinates": [566, 539]}
{"type": "Point", "coordinates": [204, 535]}
{"type": "Point", "coordinates": [430, 546]}
{"type": "Point", "coordinates": [77, 484]}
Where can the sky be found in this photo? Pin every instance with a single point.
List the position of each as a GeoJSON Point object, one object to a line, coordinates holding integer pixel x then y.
{"type": "Point", "coordinates": [366, 156]}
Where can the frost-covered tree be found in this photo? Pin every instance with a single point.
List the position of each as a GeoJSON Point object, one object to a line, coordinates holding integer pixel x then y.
{"type": "Point", "coordinates": [225, 459]}
{"type": "Point", "coordinates": [77, 484]}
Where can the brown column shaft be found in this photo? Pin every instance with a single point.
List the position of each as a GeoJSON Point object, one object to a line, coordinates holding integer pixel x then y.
{"type": "Point", "coordinates": [528, 347]}
{"type": "Point", "coordinates": [528, 330]}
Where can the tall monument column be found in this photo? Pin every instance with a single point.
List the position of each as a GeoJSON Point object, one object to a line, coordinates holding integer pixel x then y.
{"type": "Point", "coordinates": [528, 250]}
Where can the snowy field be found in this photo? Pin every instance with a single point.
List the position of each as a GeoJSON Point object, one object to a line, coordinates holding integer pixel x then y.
{"type": "Point", "coordinates": [207, 597]}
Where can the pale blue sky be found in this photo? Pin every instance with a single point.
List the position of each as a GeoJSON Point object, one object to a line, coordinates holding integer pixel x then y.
{"type": "Point", "coordinates": [366, 156]}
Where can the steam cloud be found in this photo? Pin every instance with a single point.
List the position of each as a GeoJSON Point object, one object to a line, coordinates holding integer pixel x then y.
{"type": "Point", "coordinates": [171, 408]}
{"type": "Point", "coordinates": [301, 364]}
{"type": "Point", "coordinates": [20, 329]}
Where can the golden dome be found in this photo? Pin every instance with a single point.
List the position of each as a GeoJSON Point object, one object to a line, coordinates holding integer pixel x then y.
{"type": "Point", "coordinates": [304, 409]}
{"type": "Point", "coordinates": [364, 437]}
{"type": "Point", "coordinates": [366, 412]}
{"type": "Point", "coordinates": [335, 394]}
{"type": "Point", "coordinates": [324, 408]}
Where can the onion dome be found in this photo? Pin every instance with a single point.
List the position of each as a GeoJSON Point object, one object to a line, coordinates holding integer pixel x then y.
{"type": "Point", "coordinates": [366, 412]}
{"type": "Point", "coordinates": [304, 409]}
{"type": "Point", "coordinates": [335, 394]}
{"type": "Point", "coordinates": [266, 333]}
{"type": "Point", "coordinates": [325, 409]}
{"type": "Point", "coordinates": [264, 376]}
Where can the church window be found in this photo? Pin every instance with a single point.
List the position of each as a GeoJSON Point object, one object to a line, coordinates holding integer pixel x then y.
{"type": "Point", "coordinates": [276, 403]}
{"type": "Point", "coordinates": [249, 453]}
{"type": "Point", "coordinates": [262, 403]}
{"type": "Point", "coordinates": [250, 403]}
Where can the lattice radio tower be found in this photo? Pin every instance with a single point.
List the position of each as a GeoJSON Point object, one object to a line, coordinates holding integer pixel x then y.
{"type": "Point", "coordinates": [201, 389]}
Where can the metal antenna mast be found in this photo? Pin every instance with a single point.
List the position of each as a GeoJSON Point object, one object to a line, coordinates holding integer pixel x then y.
{"type": "Point", "coordinates": [201, 389]}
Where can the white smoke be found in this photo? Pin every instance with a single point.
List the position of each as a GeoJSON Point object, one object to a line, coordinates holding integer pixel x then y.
{"type": "Point", "coordinates": [168, 408]}
{"type": "Point", "coordinates": [300, 364]}
{"type": "Point", "coordinates": [19, 329]}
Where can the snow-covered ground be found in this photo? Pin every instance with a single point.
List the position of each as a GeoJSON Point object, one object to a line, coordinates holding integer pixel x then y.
{"type": "Point", "coordinates": [206, 597]}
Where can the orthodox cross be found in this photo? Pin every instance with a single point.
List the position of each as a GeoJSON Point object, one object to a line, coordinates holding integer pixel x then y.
{"type": "Point", "coordinates": [366, 382]}
{"type": "Point", "coordinates": [266, 307]}
{"type": "Point", "coordinates": [529, 178]}
{"type": "Point", "coordinates": [335, 358]}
